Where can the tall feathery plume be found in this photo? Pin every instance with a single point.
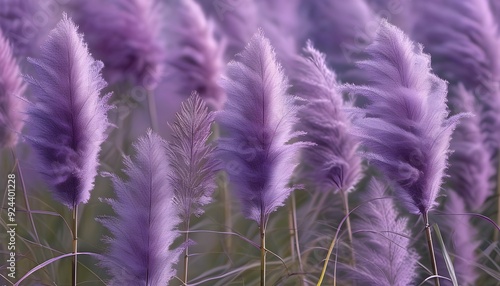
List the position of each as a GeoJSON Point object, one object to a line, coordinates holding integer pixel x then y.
{"type": "Point", "coordinates": [68, 118]}
{"type": "Point", "coordinates": [332, 164]}
{"type": "Point", "coordinates": [382, 244]}
{"type": "Point", "coordinates": [256, 127]}
{"type": "Point", "coordinates": [195, 58]}
{"type": "Point", "coordinates": [341, 30]}
{"type": "Point", "coordinates": [404, 125]}
{"type": "Point", "coordinates": [127, 35]}
{"type": "Point", "coordinates": [470, 168]}
{"type": "Point", "coordinates": [461, 242]}
{"type": "Point", "coordinates": [462, 37]}
{"type": "Point", "coordinates": [11, 89]}
{"type": "Point", "coordinates": [143, 201]}
{"type": "Point", "coordinates": [192, 160]}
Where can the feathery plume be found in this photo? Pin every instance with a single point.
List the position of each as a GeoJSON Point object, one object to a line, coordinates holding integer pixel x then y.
{"type": "Point", "coordinates": [459, 236]}
{"type": "Point", "coordinates": [341, 30]}
{"type": "Point", "coordinates": [382, 244]}
{"type": "Point", "coordinates": [462, 37]}
{"type": "Point", "coordinates": [143, 201]}
{"type": "Point", "coordinates": [237, 21]}
{"type": "Point", "coordinates": [195, 59]}
{"type": "Point", "coordinates": [404, 125]}
{"type": "Point", "coordinates": [11, 89]}
{"type": "Point", "coordinates": [332, 164]}
{"type": "Point", "coordinates": [127, 35]}
{"type": "Point", "coordinates": [470, 168]}
{"type": "Point", "coordinates": [68, 118]}
{"type": "Point", "coordinates": [256, 126]}
{"type": "Point", "coordinates": [192, 158]}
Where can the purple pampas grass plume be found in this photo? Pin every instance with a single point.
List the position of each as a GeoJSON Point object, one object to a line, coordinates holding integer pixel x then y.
{"type": "Point", "coordinates": [332, 164]}
{"type": "Point", "coordinates": [144, 201]}
{"type": "Point", "coordinates": [404, 125]}
{"type": "Point", "coordinates": [462, 37]}
{"type": "Point", "coordinates": [68, 118]}
{"type": "Point", "coordinates": [127, 35]}
{"type": "Point", "coordinates": [382, 243]}
{"type": "Point", "coordinates": [256, 127]}
{"type": "Point", "coordinates": [195, 58]}
{"type": "Point", "coordinates": [341, 30]}
{"type": "Point", "coordinates": [192, 158]}
{"type": "Point", "coordinates": [470, 168]}
{"type": "Point", "coordinates": [11, 89]}
{"type": "Point", "coordinates": [460, 239]}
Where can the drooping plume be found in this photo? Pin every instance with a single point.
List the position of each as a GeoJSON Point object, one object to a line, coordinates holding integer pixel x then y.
{"type": "Point", "coordinates": [404, 125]}
{"type": "Point", "coordinates": [127, 35]}
{"type": "Point", "coordinates": [470, 168]}
{"type": "Point", "coordinates": [463, 39]}
{"type": "Point", "coordinates": [256, 127]}
{"type": "Point", "coordinates": [382, 243]}
{"type": "Point", "coordinates": [67, 120]}
{"type": "Point", "coordinates": [144, 201]}
{"type": "Point", "coordinates": [192, 157]}
{"type": "Point", "coordinates": [11, 89]}
{"type": "Point", "coordinates": [460, 238]}
{"type": "Point", "coordinates": [341, 30]}
{"type": "Point", "coordinates": [195, 58]}
{"type": "Point", "coordinates": [332, 164]}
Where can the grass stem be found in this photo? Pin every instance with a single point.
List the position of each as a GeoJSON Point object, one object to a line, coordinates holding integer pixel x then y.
{"type": "Point", "coordinates": [262, 229]}
{"type": "Point", "coordinates": [432, 256]}
{"type": "Point", "coordinates": [186, 253]}
{"type": "Point", "coordinates": [75, 246]}
{"type": "Point", "coordinates": [345, 199]}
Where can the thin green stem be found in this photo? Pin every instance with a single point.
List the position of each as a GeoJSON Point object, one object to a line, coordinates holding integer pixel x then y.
{"type": "Point", "coordinates": [262, 229]}
{"type": "Point", "coordinates": [432, 256]}
{"type": "Point", "coordinates": [75, 246]}
{"type": "Point", "coordinates": [345, 199]}
{"type": "Point", "coordinates": [296, 236]}
{"type": "Point", "coordinates": [186, 253]}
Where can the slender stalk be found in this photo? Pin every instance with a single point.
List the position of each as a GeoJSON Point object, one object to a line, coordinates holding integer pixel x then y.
{"type": "Point", "coordinates": [262, 229]}
{"type": "Point", "coordinates": [75, 246]}
{"type": "Point", "coordinates": [495, 235]}
{"type": "Point", "coordinates": [431, 247]}
{"type": "Point", "coordinates": [348, 224]}
{"type": "Point", "coordinates": [323, 271]}
{"type": "Point", "coordinates": [291, 230]}
{"type": "Point", "coordinates": [153, 116]}
{"type": "Point", "coordinates": [186, 253]}
{"type": "Point", "coordinates": [296, 236]}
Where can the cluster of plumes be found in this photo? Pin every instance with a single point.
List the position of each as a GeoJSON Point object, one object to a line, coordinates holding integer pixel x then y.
{"type": "Point", "coordinates": [332, 163]}
{"type": "Point", "coordinates": [195, 58]}
{"type": "Point", "coordinates": [381, 244]}
{"type": "Point", "coordinates": [192, 157]}
{"type": "Point", "coordinates": [11, 89]}
{"type": "Point", "coordinates": [341, 30]}
{"type": "Point", "coordinates": [462, 37]}
{"type": "Point", "coordinates": [67, 121]}
{"type": "Point", "coordinates": [256, 127]}
{"type": "Point", "coordinates": [404, 125]}
{"type": "Point", "coordinates": [127, 35]}
{"type": "Point", "coordinates": [144, 201]}
{"type": "Point", "coordinates": [460, 238]}
{"type": "Point", "coordinates": [469, 160]}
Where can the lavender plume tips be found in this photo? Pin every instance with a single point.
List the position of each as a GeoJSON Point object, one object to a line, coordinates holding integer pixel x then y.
{"type": "Point", "coordinates": [143, 201]}
{"type": "Point", "coordinates": [470, 167]}
{"type": "Point", "coordinates": [192, 157]}
{"type": "Point", "coordinates": [382, 242]}
{"type": "Point", "coordinates": [127, 35]}
{"type": "Point", "coordinates": [256, 127]}
{"type": "Point", "coordinates": [404, 125]}
{"type": "Point", "coordinates": [68, 118]}
{"type": "Point", "coordinates": [195, 58]}
{"type": "Point", "coordinates": [462, 37]}
{"type": "Point", "coordinates": [333, 163]}
{"type": "Point", "coordinates": [12, 87]}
